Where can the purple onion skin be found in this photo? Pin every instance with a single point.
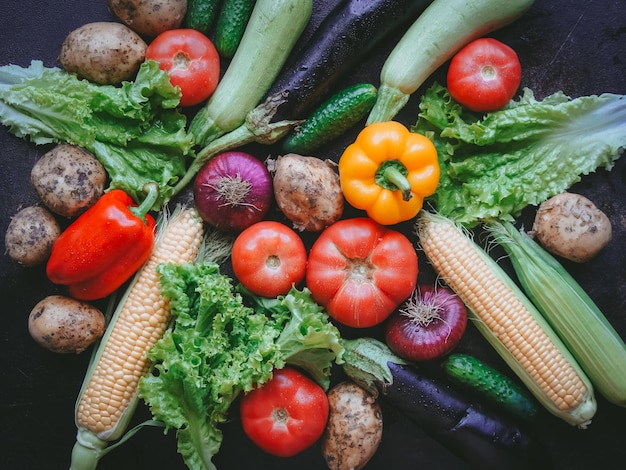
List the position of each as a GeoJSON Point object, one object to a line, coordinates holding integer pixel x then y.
{"type": "Point", "coordinates": [422, 341]}
{"type": "Point", "coordinates": [240, 171]}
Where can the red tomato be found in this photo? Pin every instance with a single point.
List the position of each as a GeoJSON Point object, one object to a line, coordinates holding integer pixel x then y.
{"type": "Point", "coordinates": [360, 271]}
{"type": "Point", "coordinates": [190, 59]}
{"type": "Point", "coordinates": [484, 75]}
{"type": "Point", "coordinates": [268, 258]}
{"type": "Point", "coordinates": [286, 415]}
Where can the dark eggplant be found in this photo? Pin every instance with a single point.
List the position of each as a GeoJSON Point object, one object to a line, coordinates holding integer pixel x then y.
{"type": "Point", "coordinates": [343, 38]}
{"type": "Point", "coordinates": [478, 435]}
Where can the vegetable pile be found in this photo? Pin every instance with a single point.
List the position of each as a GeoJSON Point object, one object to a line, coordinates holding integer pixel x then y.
{"type": "Point", "coordinates": [251, 274]}
{"type": "Point", "coordinates": [218, 348]}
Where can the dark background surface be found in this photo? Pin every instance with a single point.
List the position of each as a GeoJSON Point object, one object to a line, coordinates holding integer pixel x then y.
{"type": "Point", "coordinates": [575, 46]}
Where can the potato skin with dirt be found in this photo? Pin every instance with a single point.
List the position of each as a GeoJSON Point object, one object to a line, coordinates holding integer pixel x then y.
{"type": "Point", "coordinates": [103, 52]}
{"type": "Point", "coordinates": [354, 429]}
{"type": "Point", "coordinates": [571, 226]}
{"type": "Point", "coordinates": [150, 18]}
{"type": "Point", "coordinates": [307, 190]}
{"type": "Point", "coordinates": [65, 325]}
{"type": "Point", "coordinates": [68, 180]}
{"type": "Point", "coordinates": [30, 236]}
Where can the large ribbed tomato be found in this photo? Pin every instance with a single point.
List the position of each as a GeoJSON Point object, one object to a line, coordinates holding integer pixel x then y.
{"type": "Point", "coordinates": [286, 415]}
{"type": "Point", "coordinates": [360, 271]}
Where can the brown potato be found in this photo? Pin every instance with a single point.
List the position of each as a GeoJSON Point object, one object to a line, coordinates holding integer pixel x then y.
{"type": "Point", "coordinates": [571, 226]}
{"type": "Point", "coordinates": [68, 180]}
{"type": "Point", "coordinates": [307, 190]}
{"type": "Point", "coordinates": [65, 325]}
{"type": "Point", "coordinates": [103, 52]}
{"type": "Point", "coordinates": [354, 429]}
{"type": "Point", "coordinates": [30, 236]}
{"type": "Point", "coordinates": [150, 18]}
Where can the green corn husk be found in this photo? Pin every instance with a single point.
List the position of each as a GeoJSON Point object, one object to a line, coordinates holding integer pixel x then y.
{"type": "Point", "coordinates": [577, 320]}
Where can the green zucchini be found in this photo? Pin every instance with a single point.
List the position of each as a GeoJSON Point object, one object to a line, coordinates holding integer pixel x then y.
{"type": "Point", "coordinates": [231, 24]}
{"type": "Point", "coordinates": [439, 32]}
{"type": "Point", "coordinates": [201, 14]}
{"type": "Point", "coordinates": [332, 118]}
{"type": "Point", "coordinates": [483, 380]}
{"type": "Point", "coordinates": [271, 33]}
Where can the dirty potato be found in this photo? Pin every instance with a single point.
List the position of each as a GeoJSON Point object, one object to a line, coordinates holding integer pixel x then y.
{"type": "Point", "coordinates": [150, 18]}
{"type": "Point", "coordinates": [354, 429]}
{"type": "Point", "coordinates": [68, 179]}
{"type": "Point", "coordinates": [307, 191]}
{"type": "Point", "coordinates": [103, 52]}
{"type": "Point", "coordinates": [65, 325]}
{"type": "Point", "coordinates": [571, 226]}
{"type": "Point", "coordinates": [30, 236]}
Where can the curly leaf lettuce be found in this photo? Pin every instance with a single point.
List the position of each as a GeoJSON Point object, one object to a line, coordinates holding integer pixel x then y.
{"type": "Point", "coordinates": [307, 340]}
{"type": "Point", "coordinates": [135, 130]}
{"type": "Point", "coordinates": [217, 347]}
{"type": "Point", "coordinates": [495, 165]}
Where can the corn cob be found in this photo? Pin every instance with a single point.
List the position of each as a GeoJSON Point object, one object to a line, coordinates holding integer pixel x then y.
{"type": "Point", "coordinates": [508, 320]}
{"type": "Point", "coordinates": [575, 317]}
{"type": "Point", "coordinates": [109, 393]}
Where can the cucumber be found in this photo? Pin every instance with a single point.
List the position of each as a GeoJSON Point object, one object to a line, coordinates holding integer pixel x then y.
{"type": "Point", "coordinates": [482, 436]}
{"type": "Point", "coordinates": [481, 379]}
{"type": "Point", "coordinates": [231, 23]}
{"type": "Point", "coordinates": [435, 36]}
{"type": "Point", "coordinates": [201, 14]}
{"type": "Point", "coordinates": [332, 118]}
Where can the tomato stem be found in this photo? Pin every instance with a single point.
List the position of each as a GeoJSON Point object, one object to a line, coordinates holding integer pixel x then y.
{"type": "Point", "coordinates": [273, 262]}
{"type": "Point", "coordinates": [488, 72]}
{"type": "Point", "coordinates": [280, 416]}
{"type": "Point", "coordinates": [181, 60]}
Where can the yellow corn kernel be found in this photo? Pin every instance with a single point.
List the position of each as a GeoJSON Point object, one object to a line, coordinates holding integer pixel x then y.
{"type": "Point", "coordinates": [508, 320]}
{"type": "Point", "coordinates": [120, 363]}
{"type": "Point", "coordinates": [575, 317]}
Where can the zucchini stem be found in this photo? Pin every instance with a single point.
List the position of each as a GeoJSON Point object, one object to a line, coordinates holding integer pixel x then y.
{"type": "Point", "coordinates": [256, 128]}
{"type": "Point", "coordinates": [388, 104]}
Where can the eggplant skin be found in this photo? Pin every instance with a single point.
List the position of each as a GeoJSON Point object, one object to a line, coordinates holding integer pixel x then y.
{"type": "Point", "coordinates": [482, 438]}
{"type": "Point", "coordinates": [345, 36]}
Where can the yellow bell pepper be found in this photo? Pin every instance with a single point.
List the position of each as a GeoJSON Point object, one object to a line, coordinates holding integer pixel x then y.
{"type": "Point", "coordinates": [388, 171]}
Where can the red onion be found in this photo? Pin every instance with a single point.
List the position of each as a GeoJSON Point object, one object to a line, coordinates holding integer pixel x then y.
{"type": "Point", "coordinates": [428, 325]}
{"type": "Point", "coordinates": [232, 191]}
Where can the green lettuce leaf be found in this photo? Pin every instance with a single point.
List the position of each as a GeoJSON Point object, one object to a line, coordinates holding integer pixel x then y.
{"type": "Point", "coordinates": [135, 129]}
{"type": "Point", "coordinates": [495, 165]}
{"type": "Point", "coordinates": [218, 347]}
{"type": "Point", "coordinates": [307, 339]}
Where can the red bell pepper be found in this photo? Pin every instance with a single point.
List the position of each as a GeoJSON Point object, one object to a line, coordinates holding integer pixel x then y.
{"type": "Point", "coordinates": [104, 246]}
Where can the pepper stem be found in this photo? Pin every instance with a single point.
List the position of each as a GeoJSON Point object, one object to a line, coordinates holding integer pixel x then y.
{"type": "Point", "coordinates": [152, 194]}
{"type": "Point", "coordinates": [393, 175]}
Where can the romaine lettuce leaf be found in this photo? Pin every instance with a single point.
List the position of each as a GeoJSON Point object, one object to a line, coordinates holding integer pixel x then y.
{"type": "Point", "coordinates": [135, 129]}
{"type": "Point", "coordinates": [495, 165]}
